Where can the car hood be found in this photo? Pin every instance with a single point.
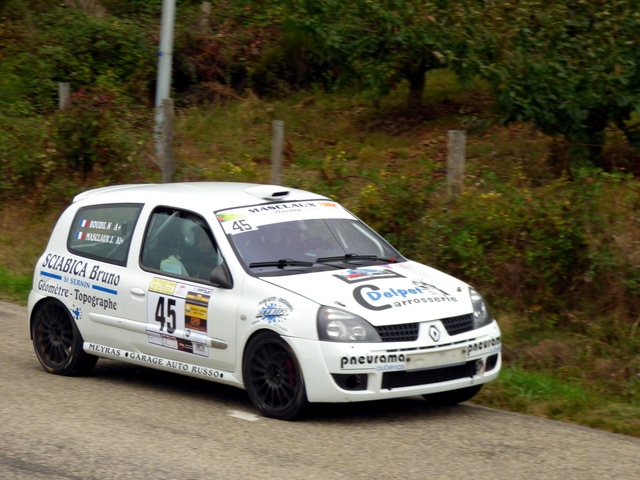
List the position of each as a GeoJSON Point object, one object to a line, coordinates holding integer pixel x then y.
{"type": "Point", "coordinates": [384, 294]}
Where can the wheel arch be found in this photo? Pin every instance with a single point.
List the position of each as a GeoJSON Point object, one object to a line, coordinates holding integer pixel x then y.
{"type": "Point", "coordinates": [265, 371]}
{"type": "Point", "coordinates": [250, 338]}
{"type": "Point", "coordinates": [41, 304]}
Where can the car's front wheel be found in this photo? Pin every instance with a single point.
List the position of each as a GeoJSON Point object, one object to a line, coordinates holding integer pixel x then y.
{"type": "Point", "coordinates": [273, 378]}
{"type": "Point", "coordinates": [57, 341]}
{"type": "Point", "coordinates": [454, 396]}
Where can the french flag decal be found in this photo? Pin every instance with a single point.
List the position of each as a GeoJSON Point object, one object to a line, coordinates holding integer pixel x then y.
{"type": "Point", "coordinates": [84, 223]}
{"type": "Point", "coordinates": [81, 235]}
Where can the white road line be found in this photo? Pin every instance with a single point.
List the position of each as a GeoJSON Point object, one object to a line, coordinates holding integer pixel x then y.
{"type": "Point", "coordinates": [251, 417]}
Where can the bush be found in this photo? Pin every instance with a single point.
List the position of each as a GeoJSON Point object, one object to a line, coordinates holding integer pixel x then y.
{"type": "Point", "coordinates": [102, 132]}
{"type": "Point", "coordinates": [23, 148]}
{"type": "Point", "coordinates": [541, 249]}
{"type": "Point", "coordinates": [101, 138]}
{"type": "Point", "coordinates": [69, 45]}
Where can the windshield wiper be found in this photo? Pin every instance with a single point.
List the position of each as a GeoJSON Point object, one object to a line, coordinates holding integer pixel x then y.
{"type": "Point", "coordinates": [283, 262]}
{"type": "Point", "coordinates": [349, 257]}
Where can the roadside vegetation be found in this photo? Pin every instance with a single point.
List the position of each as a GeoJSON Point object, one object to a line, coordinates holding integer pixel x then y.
{"type": "Point", "coordinates": [548, 223]}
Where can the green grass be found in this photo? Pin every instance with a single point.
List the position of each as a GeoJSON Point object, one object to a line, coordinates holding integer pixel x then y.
{"type": "Point", "coordinates": [14, 288]}
{"type": "Point", "coordinates": [541, 394]}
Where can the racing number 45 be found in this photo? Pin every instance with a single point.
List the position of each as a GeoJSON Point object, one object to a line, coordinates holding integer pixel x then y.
{"type": "Point", "coordinates": [241, 226]}
{"type": "Point", "coordinates": [166, 317]}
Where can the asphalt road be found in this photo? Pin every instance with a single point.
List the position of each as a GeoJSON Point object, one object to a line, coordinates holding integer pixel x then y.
{"type": "Point", "coordinates": [126, 422]}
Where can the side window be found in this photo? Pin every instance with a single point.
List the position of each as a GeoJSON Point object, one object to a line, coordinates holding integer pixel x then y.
{"type": "Point", "coordinates": [179, 243]}
{"type": "Point", "coordinates": [103, 232]}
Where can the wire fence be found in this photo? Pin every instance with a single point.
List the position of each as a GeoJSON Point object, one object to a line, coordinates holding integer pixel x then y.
{"type": "Point", "coordinates": [451, 147]}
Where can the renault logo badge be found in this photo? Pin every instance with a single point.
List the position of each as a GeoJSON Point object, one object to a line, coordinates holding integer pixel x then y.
{"type": "Point", "coordinates": [434, 333]}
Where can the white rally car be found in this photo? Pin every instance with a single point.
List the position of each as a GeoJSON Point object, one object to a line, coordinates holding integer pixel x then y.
{"type": "Point", "coordinates": [278, 291]}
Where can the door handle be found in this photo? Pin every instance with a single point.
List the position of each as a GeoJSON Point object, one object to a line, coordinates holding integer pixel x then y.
{"type": "Point", "coordinates": [137, 291]}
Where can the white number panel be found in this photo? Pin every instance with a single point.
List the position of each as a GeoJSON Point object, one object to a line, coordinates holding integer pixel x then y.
{"type": "Point", "coordinates": [177, 316]}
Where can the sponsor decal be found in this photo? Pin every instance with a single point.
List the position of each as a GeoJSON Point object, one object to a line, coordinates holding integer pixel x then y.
{"type": "Point", "coordinates": [76, 312]}
{"type": "Point", "coordinates": [105, 290]}
{"type": "Point", "coordinates": [364, 274]}
{"type": "Point", "coordinates": [195, 311]}
{"type": "Point", "coordinates": [53, 289]}
{"type": "Point", "coordinates": [244, 219]}
{"type": "Point", "coordinates": [63, 264]}
{"type": "Point", "coordinates": [95, 301]}
{"type": "Point", "coordinates": [431, 289]}
{"type": "Point", "coordinates": [282, 207]}
{"type": "Point", "coordinates": [226, 217]}
{"type": "Point", "coordinates": [274, 310]}
{"type": "Point", "coordinates": [381, 362]}
{"type": "Point", "coordinates": [166, 287]}
{"type": "Point", "coordinates": [373, 297]}
{"type": "Point", "coordinates": [491, 345]}
{"type": "Point", "coordinates": [78, 268]}
{"type": "Point", "coordinates": [153, 360]}
{"type": "Point", "coordinates": [79, 283]}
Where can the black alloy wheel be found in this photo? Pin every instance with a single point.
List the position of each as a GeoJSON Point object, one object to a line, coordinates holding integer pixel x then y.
{"type": "Point", "coordinates": [57, 341]}
{"type": "Point", "coordinates": [273, 378]}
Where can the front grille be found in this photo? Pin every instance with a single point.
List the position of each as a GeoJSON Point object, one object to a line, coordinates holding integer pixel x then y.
{"type": "Point", "coordinates": [457, 325]}
{"type": "Point", "coordinates": [407, 332]}
{"type": "Point", "coordinates": [425, 377]}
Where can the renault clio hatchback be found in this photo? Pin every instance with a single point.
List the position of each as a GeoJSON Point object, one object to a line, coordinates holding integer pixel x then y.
{"type": "Point", "coordinates": [278, 291]}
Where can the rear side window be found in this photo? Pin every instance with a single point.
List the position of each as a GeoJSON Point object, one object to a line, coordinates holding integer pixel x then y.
{"type": "Point", "coordinates": [103, 232]}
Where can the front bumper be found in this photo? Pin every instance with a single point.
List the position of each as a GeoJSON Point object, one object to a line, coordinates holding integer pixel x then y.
{"type": "Point", "coordinates": [349, 372]}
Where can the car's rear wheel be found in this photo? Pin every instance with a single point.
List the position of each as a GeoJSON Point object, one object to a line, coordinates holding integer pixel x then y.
{"type": "Point", "coordinates": [454, 396]}
{"type": "Point", "coordinates": [57, 341]}
{"type": "Point", "coordinates": [273, 378]}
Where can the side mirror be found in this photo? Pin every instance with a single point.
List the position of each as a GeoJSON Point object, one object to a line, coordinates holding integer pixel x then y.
{"type": "Point", "coordinates": [221, 277]}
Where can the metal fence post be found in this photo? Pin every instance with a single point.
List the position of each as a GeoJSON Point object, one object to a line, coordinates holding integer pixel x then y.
{"type": "Point", "coordinates": [276, 152]}
{"type": "Point", "coordinates": [166, 155]}
{"type": "Point", "coordinates": [64, 95]}
{"type": "Point", "coordinates": [455, 162]}
{"type": "Point", "coordinates": [205, 14]}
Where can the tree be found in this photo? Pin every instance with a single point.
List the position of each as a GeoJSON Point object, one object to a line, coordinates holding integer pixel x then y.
{"type": "Point", "coordinates": [378, 42]}
{"type": "Point", "coordinates": [571, 67]}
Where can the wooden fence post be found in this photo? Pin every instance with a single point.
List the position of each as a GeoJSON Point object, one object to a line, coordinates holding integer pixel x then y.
{"type": "Point", "coordinates": [166, 142]}
{"type": "Point", "coordinates": [455, 162]}
{"type": "Point", "coordinates": [276, 152]}
{"type": "Point", "coordinates": [64, 95]}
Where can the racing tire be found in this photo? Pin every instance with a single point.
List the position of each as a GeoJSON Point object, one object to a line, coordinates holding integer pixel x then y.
{"type": "Point", "coordinates": [58, 342]}
{"type": "Point", "coordinates": [453, 397]}
{"type": "Point", "coordinates": [273, 378]}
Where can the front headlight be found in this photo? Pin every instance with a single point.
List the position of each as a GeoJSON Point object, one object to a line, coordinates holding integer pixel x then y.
{"type": "Point", "coordinates": [335, 325]}
{"type": "Point", "coordinates": [481, 314]}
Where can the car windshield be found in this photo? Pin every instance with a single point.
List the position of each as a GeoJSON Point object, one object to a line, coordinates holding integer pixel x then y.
{"type": "Point", "coordinates": [284, 243]}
